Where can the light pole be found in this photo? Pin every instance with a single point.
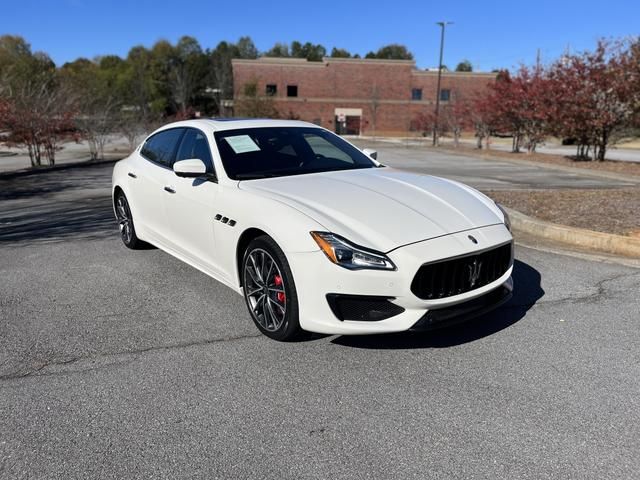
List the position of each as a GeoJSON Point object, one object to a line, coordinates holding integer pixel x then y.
{"type": "Point", "coordinates": [435, 123]}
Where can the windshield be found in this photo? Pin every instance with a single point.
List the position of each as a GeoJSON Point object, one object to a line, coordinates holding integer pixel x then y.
{"type": "Point", "coordinates": [251, 153]}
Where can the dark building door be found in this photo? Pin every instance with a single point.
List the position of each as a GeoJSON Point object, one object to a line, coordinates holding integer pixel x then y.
{"type": "Point", "coordinates": [349, 126]}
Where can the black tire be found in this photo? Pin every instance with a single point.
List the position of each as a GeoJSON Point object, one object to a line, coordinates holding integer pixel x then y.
{"type": "Point", "coordinates": [125, 222]}
{"type": "Point", "coordinates": [277, 318]}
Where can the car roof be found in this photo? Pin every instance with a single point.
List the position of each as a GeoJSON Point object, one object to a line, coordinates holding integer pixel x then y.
{"type": "Point", "coordinates": [219, 124]}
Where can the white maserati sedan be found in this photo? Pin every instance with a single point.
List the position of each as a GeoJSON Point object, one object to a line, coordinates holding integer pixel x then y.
{"type": "Point", "coordinates": [316, 234]}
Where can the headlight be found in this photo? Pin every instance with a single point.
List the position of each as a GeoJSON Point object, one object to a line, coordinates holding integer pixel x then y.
{"type": "Point", "coordinates": [507, 220]}
{"type": "Point", "coordinates": [347, 255]}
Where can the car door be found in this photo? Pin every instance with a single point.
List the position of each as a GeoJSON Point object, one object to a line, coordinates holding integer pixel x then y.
{"type": "Point", "coordinates": [190, 208]}
{"type": "Point", "coordinates": [152, 173]}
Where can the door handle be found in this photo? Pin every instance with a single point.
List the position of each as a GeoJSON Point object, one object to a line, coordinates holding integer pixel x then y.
{"type": "Point", "coordinates": [169, 189]}
{"type": "Point", "coordinates": [132, 175]}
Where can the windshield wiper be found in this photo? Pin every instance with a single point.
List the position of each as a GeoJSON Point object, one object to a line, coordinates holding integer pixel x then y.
{"type": "Point", "coordinates": [297, 171]}
{"type": "Point", "coordinates": [254, 176]}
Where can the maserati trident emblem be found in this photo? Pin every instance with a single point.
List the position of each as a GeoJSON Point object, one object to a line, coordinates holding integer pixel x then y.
{"type": "Point", "coordinates": [474, 272]}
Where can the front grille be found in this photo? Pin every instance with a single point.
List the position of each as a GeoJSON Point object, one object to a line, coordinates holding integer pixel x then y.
{"type": "Point", "coordinates": [462, 274]}
{"type": "Point", "coordinates": [362, 307]}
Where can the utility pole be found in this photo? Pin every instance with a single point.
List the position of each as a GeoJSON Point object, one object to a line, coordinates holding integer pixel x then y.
{"type": "Point", "coordinates": [435, 123]}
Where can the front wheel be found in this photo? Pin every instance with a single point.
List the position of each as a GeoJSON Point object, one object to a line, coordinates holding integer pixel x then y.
{"type": "Point", "coordinates": [269, 290]}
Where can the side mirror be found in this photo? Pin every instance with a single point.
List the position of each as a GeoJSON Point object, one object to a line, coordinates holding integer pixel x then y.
{"type": "Point", "coordinates": [371, 152]}
{"type": "Point", "coordinates": [373, 155]}
{"type": "Point", "coordinates": [191, 168]}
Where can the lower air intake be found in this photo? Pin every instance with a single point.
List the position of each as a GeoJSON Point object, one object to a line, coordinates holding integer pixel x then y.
{"type": "Point", "coordinates": [362, 308]}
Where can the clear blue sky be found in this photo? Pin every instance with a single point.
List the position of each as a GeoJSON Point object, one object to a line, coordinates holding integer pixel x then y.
{"type": "Point", "coordinates": [489, 34]}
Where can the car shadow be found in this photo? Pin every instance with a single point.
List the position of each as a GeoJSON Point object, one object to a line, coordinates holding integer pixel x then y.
{"type": "Point", "coordinates": [527, 291]}
{"type": "Point", "coordinates": [58, 221]}
{"type": "Point", "coordinates": [57, 205]}
{"type": "Point", "coordinates": [41, 184]}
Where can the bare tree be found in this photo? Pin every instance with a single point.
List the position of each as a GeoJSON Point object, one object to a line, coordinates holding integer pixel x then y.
{"type": "Point", "coordinates": [95, 103]}
{"type": "Point", "coordinates": [456, 117]}
{"type": "Point", "coordinates": [375, 104]}
{"type": "Point", "coordinates": [221, 74]}
{"type": "Point", "coordinates": [186, 71]}
{"type": "Point", "coordinates": [253, 105]}
{"type": "Point", "coordinates": [132, 127]}
{"type": "Point", "coordinates": [96, 123]}
{"type": "Point", "coordinates": [139, 80]}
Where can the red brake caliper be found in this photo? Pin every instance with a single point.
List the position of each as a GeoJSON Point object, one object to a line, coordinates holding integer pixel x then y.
{"type": "Point", "coordinates": [280, 295]}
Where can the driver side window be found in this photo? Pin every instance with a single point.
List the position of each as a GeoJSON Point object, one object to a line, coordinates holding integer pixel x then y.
{"type": "Point", "coordinates": [195, 145]}
{"type": "Point", "coordinates": [322, 147]}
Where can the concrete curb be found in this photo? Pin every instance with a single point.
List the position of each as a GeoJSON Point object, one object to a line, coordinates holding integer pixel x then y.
{"type": "Point", "coordinates": [577, 237]}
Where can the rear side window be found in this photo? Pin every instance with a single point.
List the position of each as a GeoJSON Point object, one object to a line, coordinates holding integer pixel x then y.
{"type": "Point", "coordinates": [194, 144]}
{"type": "Point", "coordinates": [161, 148]}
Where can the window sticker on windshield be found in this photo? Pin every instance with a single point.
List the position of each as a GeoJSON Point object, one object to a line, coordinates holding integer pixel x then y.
{"type": "Point", "coordinates": [242, 144]}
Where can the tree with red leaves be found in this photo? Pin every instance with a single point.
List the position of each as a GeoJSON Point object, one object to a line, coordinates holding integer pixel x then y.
{"type": "Point", "coordinates": [35, 108]}
{"type": "Point", "coordinates": [535, 106]}
{"type": "Point", "coordinates": [483, 118]}
{"type": "Point", "coordinates": [518, 105]}
{"type": "Point", "coordinates": [591, 98]}
{"type": "Point", "coordinates": [504, 106]}
{"type": "Point", "coordinates": [424, 122]}
{"type": "Point", "coordinates": [596, 95]}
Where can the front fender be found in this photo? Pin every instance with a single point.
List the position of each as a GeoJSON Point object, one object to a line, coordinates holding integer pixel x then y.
{"type": "Point", "coordinates": [288, 227]}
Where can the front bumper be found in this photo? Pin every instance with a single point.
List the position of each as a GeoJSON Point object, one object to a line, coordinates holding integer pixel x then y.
{"type": "Point", "coordinates": [316, 277]}
{"type": "Point", "coordinates": [444, 317]}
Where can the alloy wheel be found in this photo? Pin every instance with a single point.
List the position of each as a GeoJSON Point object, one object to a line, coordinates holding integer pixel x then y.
{"type": "Point", "coordinates": [265, 289]}
{"type": "Point", "coordinates": [124, 219]}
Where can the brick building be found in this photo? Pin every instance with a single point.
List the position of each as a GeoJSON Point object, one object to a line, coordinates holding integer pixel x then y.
{"type": "Point", "coordinates": [354, 96]}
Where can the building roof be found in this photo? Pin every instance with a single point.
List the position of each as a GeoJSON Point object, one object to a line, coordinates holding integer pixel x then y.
{"type": "Point", "coordinates": [292, 61]}
{"type": "Point", "coordinates": [303, 62]}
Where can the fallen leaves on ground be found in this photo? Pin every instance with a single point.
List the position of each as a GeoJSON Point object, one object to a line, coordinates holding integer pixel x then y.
{"type": "Point", "coordinates": [603, 210]}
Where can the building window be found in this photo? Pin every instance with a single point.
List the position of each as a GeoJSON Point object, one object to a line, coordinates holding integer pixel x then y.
{"type": "Point", "coordinates": [416, 94]}
{"type": "Point", "coordinates": [271, 89]}
{"type": "Point", "coordinates": [445, 95]}
{"type": "Point", "coordinates": [292, 90]}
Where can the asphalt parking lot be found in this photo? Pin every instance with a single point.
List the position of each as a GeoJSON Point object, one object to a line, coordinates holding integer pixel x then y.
{"type": "Point", "coordinates": [121, 364]}
{"type": "Point", "coordinates": [485, 174]}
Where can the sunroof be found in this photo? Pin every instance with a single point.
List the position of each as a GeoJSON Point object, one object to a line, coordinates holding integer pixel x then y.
{"type": "Point", "coordinates": [234, 119]}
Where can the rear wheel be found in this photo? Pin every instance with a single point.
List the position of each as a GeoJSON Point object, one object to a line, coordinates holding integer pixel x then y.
{"type": "Point", "coordinates": [125, 222]}
{"type": "Point", "coordinates": [269, 290]}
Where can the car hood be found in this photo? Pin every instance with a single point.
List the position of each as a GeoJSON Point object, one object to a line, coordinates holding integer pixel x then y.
{"type": "Point", "coordinates": [382, 208]}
